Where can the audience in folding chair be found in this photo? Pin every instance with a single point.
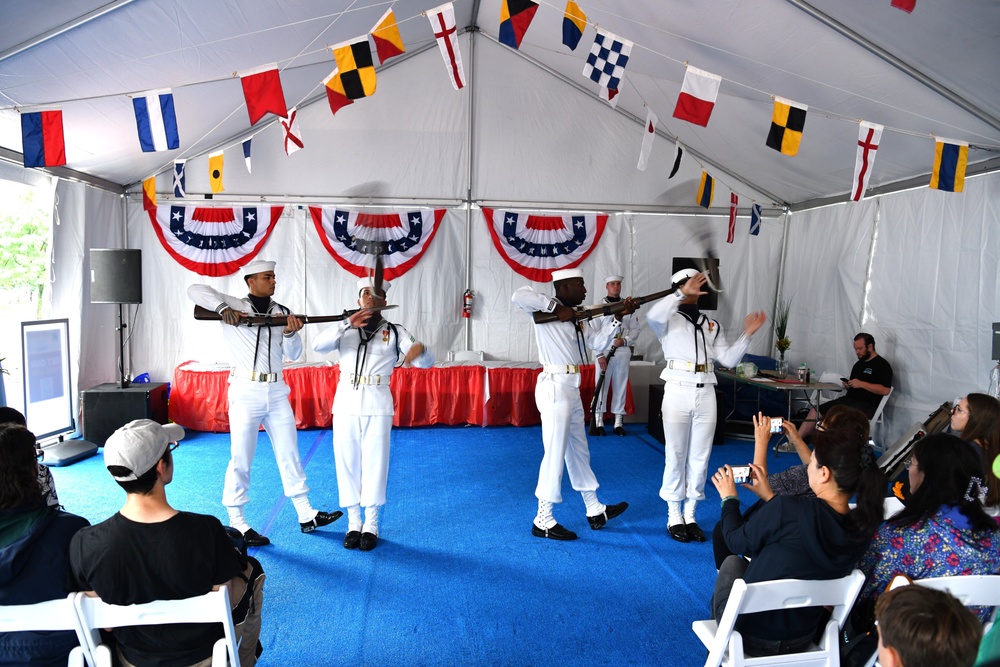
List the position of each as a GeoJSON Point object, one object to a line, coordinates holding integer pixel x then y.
{"type": "Point", "coordinates": [799, 537]}
{"type": "Point", "coordinates": [150, 551]}
{"type": "Point", "coordinates": [943, 529]}
{"type": "Point", "coordinates": [923, 627]}
{"type": "Point", "coordinates": [976, 419]}
{"type": "Point", "coordinates": [795, 480]}
{"type": "Point", "coordinates": [34, 550]}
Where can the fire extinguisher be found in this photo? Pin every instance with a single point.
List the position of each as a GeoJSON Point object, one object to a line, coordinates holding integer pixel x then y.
{"type": "Point", "coordinates": [467, 304]}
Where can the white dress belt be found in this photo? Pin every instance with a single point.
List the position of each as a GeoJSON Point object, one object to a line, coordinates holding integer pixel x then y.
{"type": "Point", "coordinates": [560, 369]}
{"type": "Point", "coordinates": [681, 365]}
{"type": "Point", "coordinates": [373, 380]}
{"type": "Point", "coordinates": [256, 376]}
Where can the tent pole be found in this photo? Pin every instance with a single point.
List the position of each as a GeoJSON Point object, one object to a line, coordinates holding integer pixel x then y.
{"type": "Point", "coordinates": [468, 189]}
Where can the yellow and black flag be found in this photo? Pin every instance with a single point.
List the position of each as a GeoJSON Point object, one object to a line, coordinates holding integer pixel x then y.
{"type": "Point", "coordinates": [787, 124]}
{"type": "Point", "coordinates": [215, 164]}
{"type": "Point", "coordinates": [355, 70]}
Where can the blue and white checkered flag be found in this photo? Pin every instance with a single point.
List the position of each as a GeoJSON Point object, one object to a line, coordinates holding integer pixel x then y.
{"type": "Point", "coordinates": [755, 220]}
{"type": "Point", "coordinates": [606, 63]}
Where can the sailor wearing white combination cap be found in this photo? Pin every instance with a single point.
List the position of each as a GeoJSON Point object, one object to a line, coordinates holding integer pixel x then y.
{"type": "Point", "coordinates": [258, 395]}
{"type": "Point", "coordinates": [561, 351]}
{"type": "Point", "coordinates": [692, 343]}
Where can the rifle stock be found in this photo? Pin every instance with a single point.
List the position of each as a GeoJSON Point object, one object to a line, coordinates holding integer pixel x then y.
{"type": "Point", "coordinates": [278, 320]}
{"type": "Point", "coordinates": [588, 313]}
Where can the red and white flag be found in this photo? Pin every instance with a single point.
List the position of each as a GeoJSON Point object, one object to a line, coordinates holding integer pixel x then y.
{"type": "Point", "coordinates": [734, 203]}
{"type": "Point", "coordinates": [442, 20]}
{"type": "Point", "coordinates": [610, 95]}
{"type": "Point", "coordinates": [869, 135]}
{"type": "Point", "coordinates": [293, 137]}
{"type": "Point", "coordinates": [262, 90]}
{"type": "Point", "coordinates": [647, 139]}
{"type": "Point", "coordinates": [698, 94]}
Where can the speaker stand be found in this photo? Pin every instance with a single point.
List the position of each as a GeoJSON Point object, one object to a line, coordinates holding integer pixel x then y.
{"type": "Point", "coordinates": [123, 381]}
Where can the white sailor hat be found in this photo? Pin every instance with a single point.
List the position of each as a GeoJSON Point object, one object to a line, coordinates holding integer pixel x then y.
{"type": "Point", "coordinates": [367, 282]}
{"type": "Point", "coordinates": [258, 266]}
{"type": "Point", "coordinates": [614, 279]}
{"type": "Point", "coordinates": [566, 274]}
{"type": "Point", "coordinates": [683, 275]}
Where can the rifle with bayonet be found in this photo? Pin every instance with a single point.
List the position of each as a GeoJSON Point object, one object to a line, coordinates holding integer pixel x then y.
{"type": "Point", "coordinates": [279, 320]}
{"type": "Point", "coordinates": [583, 313]}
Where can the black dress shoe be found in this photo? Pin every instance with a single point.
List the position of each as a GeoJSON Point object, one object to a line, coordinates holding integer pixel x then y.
{"type": "Point", "coordinates": [352, 539]}
{"type": "Point", "coordinates": [694, 533]}
{"type": "Point", "coordinates": [610, 512]}
{"type": "Point", "coordinates": [596, 430]}
{"type": "Point", "coordinates": [368, 541]}
{"type": "Point", "coordinates": [321, 519]}
{"type": "Point", "coordinates": [252, 538]}
{"type": "Point", "coordinates": [556, 532]}
{"type": "Point", "coordinates": [678, 531]}
{"type": "Point", "coordinates": [619, 430]}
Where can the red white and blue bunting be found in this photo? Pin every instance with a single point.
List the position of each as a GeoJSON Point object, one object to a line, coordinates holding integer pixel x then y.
{"type": "Point", "coordinates": [536, 245]}
{"type": "Point", "coordinates": [214, 241]}
{"type": "Point", "coordinates": [353, 238]}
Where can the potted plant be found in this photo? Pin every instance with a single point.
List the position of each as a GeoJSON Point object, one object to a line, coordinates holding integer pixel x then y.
{"type": "Point", "coordinates": [780, 331]}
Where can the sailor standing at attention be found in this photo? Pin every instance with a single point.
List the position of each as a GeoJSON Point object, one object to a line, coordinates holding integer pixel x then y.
{"type": "Point", "coordinates": [614, 360]}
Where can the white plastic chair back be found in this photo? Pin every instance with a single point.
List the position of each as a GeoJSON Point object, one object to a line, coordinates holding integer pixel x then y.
{"type": "Point", "coordinates": [877, 420]}
{"type": "Point", "coordinates": [725, 644]}
{"type": "Point", "coordinates": [45, 616]}
{"type": "Point", "coordinates": [974, 590]}
{"type": "Point", "coordinates": [212, 607]}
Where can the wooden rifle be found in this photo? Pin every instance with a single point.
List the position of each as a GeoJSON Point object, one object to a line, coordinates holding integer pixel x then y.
{"type": "Point", "coordinates": [582, 313]}
{"type": "Point", "coordinates": [598, 388]}
{"type": "Point", "coordinates": [279, 320]}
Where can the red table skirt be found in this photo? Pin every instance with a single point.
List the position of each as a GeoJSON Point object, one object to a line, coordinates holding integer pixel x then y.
{"type": "Point", "coordinates": [441, 395]}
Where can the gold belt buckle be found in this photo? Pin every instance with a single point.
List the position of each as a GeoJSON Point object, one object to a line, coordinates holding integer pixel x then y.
{"type": "Point", "coordinates": [700, 368]}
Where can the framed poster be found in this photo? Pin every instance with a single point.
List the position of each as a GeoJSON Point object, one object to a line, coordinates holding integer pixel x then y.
{"type": "Point", "coordinates": [48, 401]}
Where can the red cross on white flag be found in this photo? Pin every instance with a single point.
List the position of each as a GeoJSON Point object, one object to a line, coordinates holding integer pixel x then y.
{"type": "Point", "coordinates": [442, 20]}
{"type": "Point", "coordinates": [869, 134]}
{"type": "Point", "coordinates": [293, 137]}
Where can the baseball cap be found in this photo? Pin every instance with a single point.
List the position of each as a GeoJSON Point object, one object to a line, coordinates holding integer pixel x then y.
{"type": "Point", "coordinates": [138, 446]}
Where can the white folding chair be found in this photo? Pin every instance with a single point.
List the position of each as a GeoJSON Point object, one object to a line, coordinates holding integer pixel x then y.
{"type": "Point", "coordinates": [877, 420]}
{"type": "Point", "coordinates": [725, 644]}
{"type": "Point", "coordinates": [212, 607]}
{"type": "Point", "coordinates": [43, 616]}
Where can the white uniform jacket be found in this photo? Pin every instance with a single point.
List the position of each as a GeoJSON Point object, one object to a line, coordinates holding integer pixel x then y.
{"type": "Point", "coordinates": [627, 330]}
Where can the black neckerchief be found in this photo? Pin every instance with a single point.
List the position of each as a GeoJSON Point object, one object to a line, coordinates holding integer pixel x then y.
{"type": "Point", "coordinates": [612, 299]}
{"type": "Point", "coordinates": [261, 306]}
{"type": "Point", "coordinates": [581, 343]}
{"type": "Point", "coordinates": [692, 314]}
{"type": "Point", "coordinates": [365, 333]}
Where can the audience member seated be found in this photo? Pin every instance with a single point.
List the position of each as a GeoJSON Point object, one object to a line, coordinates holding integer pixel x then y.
{"type": "Point", "coordinates": [9, 415]}
{"type": "Point", "coordinates": [795, 480]}
{"type": "Point", "coordinates": [150, 551]}
{"type": "Point", "coordinates": [976, 419]}
{"type": "Point", "coordinates": [799, 537]}
{"type": "Point", "coordinates": [870, 380]}
{"type": "Point", "coordinates": [943, 529]}
{"type": "Point", "coordinates": [923, 627]}
{"type": "Point", "coordinates": [34, 550]}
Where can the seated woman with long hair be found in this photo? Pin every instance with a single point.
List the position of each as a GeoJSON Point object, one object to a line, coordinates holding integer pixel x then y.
{"type": "Point", "coordinates": [976, 419]}
{"type": "Point", "coordinates": [943, 529]}
{"type": "Point", "coordinates": [799, 537]}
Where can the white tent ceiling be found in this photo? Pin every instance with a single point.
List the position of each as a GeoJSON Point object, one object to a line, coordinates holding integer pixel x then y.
{"type": "Point", "coordinates": [928, 73]}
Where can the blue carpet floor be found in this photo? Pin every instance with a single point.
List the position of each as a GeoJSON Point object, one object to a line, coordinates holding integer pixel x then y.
{"type": "Point", "coordinates": [457, 578]}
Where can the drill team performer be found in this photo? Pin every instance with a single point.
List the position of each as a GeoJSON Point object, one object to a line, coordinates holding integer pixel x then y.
{"type": "Point", "coordinates": [691, 344]}
{"type": "Point", "coordinates": [616, 368]}
{"type": "Point", "coordinates": [362, 407]}
{"type": "Point", "coordinates": [561, 350]}
{"type": "Point", "coordinates": [259, 395]}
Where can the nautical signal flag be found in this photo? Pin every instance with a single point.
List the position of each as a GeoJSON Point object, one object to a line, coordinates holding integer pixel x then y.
{"type": "Point", "coordinates": [388, 42]}
{"type": "Point", "coordinates": [262, 91]}
{"type": "Point", "coordinates": [215, 164]}
{"type": "Point", "coordinates": [293, 136]}
{"type": "Point", "coordinates": [574, 23]}
{"type": "Point", "coordinates": [869, 134]}
{"type": "Point", "coordinates": [246, 154]}
{"type": "Point", "coordinates": [706, 189]}
{"type": "Point", "coordinates": [607, 60]}
{"type": "Point", "coordinates": [647, 139]}
{"type": "Point", "coordinates": [42, 139]}
{"type": "Point", "coordinates": [515, 17]}
{"type": "Point", "coordinates": [442, 19]}
{"type": "Point", "coordinates": [755, 220]}
{"type": "Point", "coordinates": [950, 159]}
{"type": "Point", "coordinates": [335, 97]}
{"type": "Point", "coordinates": [906, 5]}
{"type": "Point", "coordinates": [179, 180]}
{"type": "Point", "coordinates": [156, 121]}
{"type": "Point", "coordinates": [149, 194]}
{"type": "Point", "coordinates": [678, 154]}
{"type": "Point", "coordinates": [734, 202]}
{"type": "Point", "coordinates": [610, 96]}
{"type": "Point", "coordinates": [698, 94]}
{"type": "Point", "coordinates": [787, 123]}
{"type": "Point", "coordinates": [355, 69]}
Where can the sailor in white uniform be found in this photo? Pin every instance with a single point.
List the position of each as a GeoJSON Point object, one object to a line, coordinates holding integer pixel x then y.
{"type": "Point", "coordinates": [614, 360]}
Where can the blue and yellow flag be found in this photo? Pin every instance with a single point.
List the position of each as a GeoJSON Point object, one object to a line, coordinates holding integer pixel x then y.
{"type": "Point", "coordinates": [705, 190]}
{"type": "Point", "coordinates": [950, 159]}
{"type": "Point", "coordinates": [574, 22]}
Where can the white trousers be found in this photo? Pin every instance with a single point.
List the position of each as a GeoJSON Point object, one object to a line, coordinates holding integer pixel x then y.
{"type": "Point", "coordinates": [616, 376]}
{"type": "Point", "coordinates": [361, 451]}
{"type": "Point", "coordinates": [565, 439]}
{"type": "Point", "coordinates": [689, 416]}
{"type": "Point", "coordinates": [252, 404]}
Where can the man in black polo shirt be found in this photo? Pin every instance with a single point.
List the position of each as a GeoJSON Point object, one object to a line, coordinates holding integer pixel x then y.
{"type": "Point", "coordinates": [870, 380]}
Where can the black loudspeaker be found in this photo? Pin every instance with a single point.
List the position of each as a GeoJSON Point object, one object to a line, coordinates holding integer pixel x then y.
{"type": "Point", "coordinates": [115, 276]}
{"type": "Point", "coordinates": [709, 301]}
{"type": "Point", "coordinates": [106, 408]}
{"type": "Point", "coordinates": [996, 341]}
{"type": "Point", "coordinates": [654, 425]}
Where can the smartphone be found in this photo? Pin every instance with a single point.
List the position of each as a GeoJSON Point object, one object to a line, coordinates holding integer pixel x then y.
{"type": "Point", "coordinates": [844, 380]}
{"type": "Point", "coordinates": [741, 474]}
{"type": "Point", "coordinates": [776, 423]}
